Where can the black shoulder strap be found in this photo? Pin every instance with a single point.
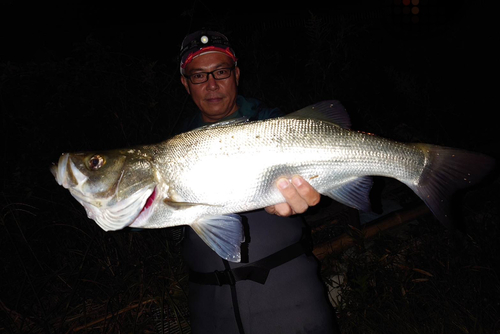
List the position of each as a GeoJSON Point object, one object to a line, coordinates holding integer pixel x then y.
{"type": "Point", "coordinates": [256, 271]}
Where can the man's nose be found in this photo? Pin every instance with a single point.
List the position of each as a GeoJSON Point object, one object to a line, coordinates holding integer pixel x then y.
{"type": "Point", "coordinates": [212, 83]}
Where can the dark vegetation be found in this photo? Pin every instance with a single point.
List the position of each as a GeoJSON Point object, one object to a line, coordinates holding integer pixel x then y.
{"type": "Point", "coordinates": [61, 273]}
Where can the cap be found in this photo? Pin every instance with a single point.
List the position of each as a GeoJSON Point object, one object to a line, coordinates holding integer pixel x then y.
{"type": "Point", "coordinates": [202, 42]}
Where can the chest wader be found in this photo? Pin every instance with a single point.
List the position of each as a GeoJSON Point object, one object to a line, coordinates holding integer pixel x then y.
{"type": "Point", "coordinates": [256, 271]}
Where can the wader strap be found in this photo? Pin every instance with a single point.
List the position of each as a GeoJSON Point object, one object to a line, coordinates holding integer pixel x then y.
{"type": "Point", "coordinates": [236, 307]}
{"type": "Point", "coordinates": [256, 271]}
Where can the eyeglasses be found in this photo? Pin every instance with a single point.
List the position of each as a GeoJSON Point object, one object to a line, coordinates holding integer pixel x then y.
{"type": "Point", "coordinates": [218, 74]}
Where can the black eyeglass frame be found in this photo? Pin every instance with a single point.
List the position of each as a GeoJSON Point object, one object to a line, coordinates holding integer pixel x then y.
{"type": "Point", "coordinates": [231, 69]}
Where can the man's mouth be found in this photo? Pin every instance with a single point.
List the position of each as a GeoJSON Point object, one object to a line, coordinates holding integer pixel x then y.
{"type": "Point", "coordinates": [213, 99]}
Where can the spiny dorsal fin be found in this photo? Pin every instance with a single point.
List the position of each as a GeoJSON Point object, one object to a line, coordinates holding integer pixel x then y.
{"type": "Point", "coordinates": [330, 111]}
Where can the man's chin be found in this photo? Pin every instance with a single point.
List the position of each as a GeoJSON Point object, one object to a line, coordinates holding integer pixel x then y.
{"type": "Point", "coordinates": [213, 113]}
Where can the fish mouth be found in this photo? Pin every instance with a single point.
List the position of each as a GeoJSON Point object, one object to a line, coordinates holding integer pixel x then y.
{"type": "Point", "coordinates": [66, 173]}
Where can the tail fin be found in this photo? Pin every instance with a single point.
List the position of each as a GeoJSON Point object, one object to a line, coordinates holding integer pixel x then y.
{"type": "Point", "coordinates": [446, 171]}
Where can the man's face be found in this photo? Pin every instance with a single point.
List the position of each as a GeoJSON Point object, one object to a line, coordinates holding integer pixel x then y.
{"type": "Point", "coordinates": [216, 99]}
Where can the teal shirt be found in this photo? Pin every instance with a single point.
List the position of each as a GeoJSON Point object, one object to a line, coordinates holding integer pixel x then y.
{"type": "Point", "coordinates": [247, 107]}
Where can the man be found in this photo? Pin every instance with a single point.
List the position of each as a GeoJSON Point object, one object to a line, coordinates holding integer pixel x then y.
{"type": "Point", "coordinates": [276, 288]}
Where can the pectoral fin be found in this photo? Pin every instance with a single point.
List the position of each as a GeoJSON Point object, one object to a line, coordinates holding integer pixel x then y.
{"type": "Point", "coordinates": [354, 193]}
{"type": "Point", "coordinates": [182, 205]}
{"type": "Point", "coordinates": [224, 234]}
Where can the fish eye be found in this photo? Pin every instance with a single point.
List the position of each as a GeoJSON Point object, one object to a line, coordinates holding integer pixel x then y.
{"type": "Point", "coordinates": [96, 162]}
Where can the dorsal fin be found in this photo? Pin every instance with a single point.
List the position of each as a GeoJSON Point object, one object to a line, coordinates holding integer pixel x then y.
{"type": "Point", "coordinates": [330, 111]}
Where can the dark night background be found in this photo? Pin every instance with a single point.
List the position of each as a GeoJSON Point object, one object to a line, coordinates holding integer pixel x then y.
{"type": "Point", "coordinates": [78, 76]}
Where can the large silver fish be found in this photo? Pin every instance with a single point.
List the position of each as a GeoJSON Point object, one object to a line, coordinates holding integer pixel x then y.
{"type": "Point", "coordinates": [203, 177]}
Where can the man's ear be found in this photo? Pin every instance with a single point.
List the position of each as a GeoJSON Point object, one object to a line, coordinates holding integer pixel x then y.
{"type": "Point", "coordinates": [237, 74]}
{"type": "Point", "coordinates": [185, 84]}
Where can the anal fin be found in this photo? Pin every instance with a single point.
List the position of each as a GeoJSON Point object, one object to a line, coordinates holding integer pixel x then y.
{"type": "Point", "coordinates": [354, 193]}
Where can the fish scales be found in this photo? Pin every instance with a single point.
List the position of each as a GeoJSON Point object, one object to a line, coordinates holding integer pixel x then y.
{"type": "Point", "coordinates": [243, 162]}
{"type": "Point", "coordinates": [201, 178]}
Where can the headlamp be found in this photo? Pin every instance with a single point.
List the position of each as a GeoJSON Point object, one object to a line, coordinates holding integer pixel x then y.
{"type": "Point", "coordinates": [196, 43]}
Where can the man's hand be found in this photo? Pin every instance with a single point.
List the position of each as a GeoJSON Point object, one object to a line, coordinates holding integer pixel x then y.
{"type": "Point", "coordinates": [299, 195]}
